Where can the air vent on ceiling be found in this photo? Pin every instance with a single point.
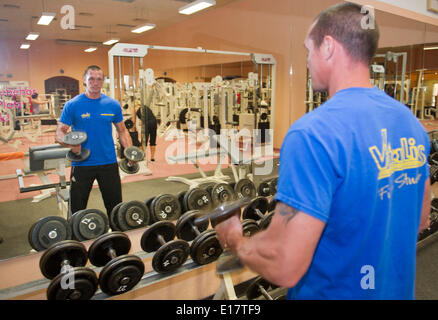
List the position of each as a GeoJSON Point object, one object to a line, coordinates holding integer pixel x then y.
{"type": "Point", "coordinates": [4, 20]}
{"type": "Point", "coordinates": [140, 20]}
{"type": "Point", "coordinates": [11, 6]}
{"type": "Point", "coordinates": [129, 1]}
{"type": "Point", "coordinates": [83, 27]}
{"type": "Point", "coordinates": [78, 42]}
{"type": "Point", "coordinates": [125, 25]}
{"type": "Point", "coordinates": [86, 14]}
{"type": "Point", "coordinates": [111, 32]}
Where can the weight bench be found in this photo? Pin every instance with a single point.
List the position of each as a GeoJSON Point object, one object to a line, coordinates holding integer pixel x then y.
{"type": "Point", "coordinates": [41, 159]}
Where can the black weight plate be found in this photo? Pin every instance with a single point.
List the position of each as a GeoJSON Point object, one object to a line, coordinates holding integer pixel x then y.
{"type": "Point", "coordinates": [272, 204]}
{"type": "Point", "coordinates": [90, 224]}
{"type": "Point", "coordinates": [113, 218]}
{"type": "Point", "coordinates": [129, 169]}
{"type": "Point", "coordinates": [273, 185]}
{"type": "Point", "coordinates": [99, 249]}
{"type": "Point", "coordinates": [79, 284]}
{"type": "Point", "coordinates": [180, 197]}
{"type": "Point", "coordinates": [134, 154]}
{"type": "Point", "coordinates": [185, 227]}
{"type": "Point", "coordinates": [221, 193]}
{"type": "Point", "coordinates": [245, 188]}
{"type": "Point", "coordinates": [29, 237]}
{"type": "Point", "coordinates": [121, 274]}
{"type": "Point", "coordinates": [68, 250]}
{"type": "Point", "coordinates": [264, 223]}
{"type": "Point", "coordinates": [197, 199]}
{"type": "Point", "coordinates": [249, 227]}
{"type": "Point", "coordinates": [165, 207]}
{"type": "Point", "coordinates": [162, 229]}
{"type": "Point", "coordinates": [129, 124]}
{"type": "Point", "coordinates": [170, 256]}
{"type": "Point", "coordinates": [49, 230]}
{"type": "Point", "coordinates": [256, 209]}
{"type": "Point", "coordinates": [75, 138]}
{"type": "Point", "coordinates": [84, 155]}
{"type": "Point", "coordinates": [205, 248]}
{"type": "Point", "coordinates": [253, 290]}
{"type": "Point", "coordinates": [264, 189]}
{"type": "Point", "coordinates": [132, 215]}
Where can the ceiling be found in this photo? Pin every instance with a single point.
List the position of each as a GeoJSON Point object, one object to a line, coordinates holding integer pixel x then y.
{"type": "Point", "coordinates": [95, 20]}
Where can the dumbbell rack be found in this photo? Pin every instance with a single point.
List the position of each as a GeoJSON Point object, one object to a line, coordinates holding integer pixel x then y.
{"type": "Point", "coordinates": [149, 278]}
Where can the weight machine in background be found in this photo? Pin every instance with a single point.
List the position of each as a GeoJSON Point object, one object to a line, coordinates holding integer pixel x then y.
{"type": "Point", "coordinates": [203, 104]}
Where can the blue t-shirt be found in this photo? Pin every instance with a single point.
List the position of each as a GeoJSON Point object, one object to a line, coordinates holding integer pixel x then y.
{"type": "Point", "coordinates": [95, 117]}
{"type": "Point", "coordinates": [359, 164]}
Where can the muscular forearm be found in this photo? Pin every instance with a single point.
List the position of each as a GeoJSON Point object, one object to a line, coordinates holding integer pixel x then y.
{"type": "Point", "coordinates": [125, 139]}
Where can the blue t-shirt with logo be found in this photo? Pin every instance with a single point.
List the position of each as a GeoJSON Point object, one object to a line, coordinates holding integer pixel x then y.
{"type": "Point", "coordinates": [359, 164]}
{"type": "Point", "coordinates": [95, 117]}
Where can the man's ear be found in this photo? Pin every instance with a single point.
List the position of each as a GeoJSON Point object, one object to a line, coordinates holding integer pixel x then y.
{"type": "Point", "coordinates": [328, 47]}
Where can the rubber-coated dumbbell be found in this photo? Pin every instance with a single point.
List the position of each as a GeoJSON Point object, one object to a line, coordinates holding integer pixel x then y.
{"type": "Point", "coordinates": [169, 254]}
{"type": "Point", "coordinates": [47, 231]}
{"type": "Point", "coordinates": [264, 189]}
{"type": "Point", "coordinates": [205, 247]}
{"type": "Point", "coordinates": [129, 164]}
{"type": "Point", "coordinates": [121, 271]}
{"type": "Point", "coordinates": [63, 263]}
{"type": "Point", "coordinates": [75, 138]}
{"type": "Point", "coordinates": [256, 211]}
{"type": "Point", "coordinates": [129, 215]}
{"type": "Point", "coordinates": [88, 224]}
{"type": "Point", "coordinates": [249, 227]}
{"type": "Point", "coordinates": [260, 287]}
{"type": "Point", "coordinates": [221, 193]}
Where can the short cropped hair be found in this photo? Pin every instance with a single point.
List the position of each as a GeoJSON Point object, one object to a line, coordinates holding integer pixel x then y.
{"type": "Point", "coordinates": [92, 67]}
{"type": "Point", "coordinates": [344, 22]}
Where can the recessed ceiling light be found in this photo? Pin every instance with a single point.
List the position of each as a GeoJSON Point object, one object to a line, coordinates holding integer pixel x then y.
{"type": "Point", "coordinates": [143, 28]}
{"type": "Point", "coordinates": [25, 46]}
{"type": "Point", "coordinates": [111, 41]}
{"type": "Point", "coordinates": [46, 18]}
{"type": "Point", "coordinates": [196, 6]}
{"type": "Point", "coordinates": [32, 36]}
{"type": "Point", "coordinates": [91, 49]}
{"type": "Point", "coordinates": [430, 48]}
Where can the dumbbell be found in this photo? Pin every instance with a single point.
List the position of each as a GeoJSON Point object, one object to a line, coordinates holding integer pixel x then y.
{"type": "Point", "coordinates": [197, 199]}
{"type": "Point", "coordinates": [249, 227]}
{"type": "Point", "coordinates": [75, 138]}
{"type": "Point", "coordinates": [47, 231]}
{"type": "Point", "coordinates": [121, 271]}
{"type": "Point", "coordinates": [88, 224]}
{"type": "Point", "coordinates": [256, 210]}
{"type": "Point", "coordinates": [264, 189]}
{"type": "Point", "coordinates": [205, 247]}
{"type": "Point", "coordinates": [273, 185]}
{"type": "Point", "coordinates": [245, 188]}
{"type": "Point", "coordinates": [259, 287]}
{"type": "Point", "coordinates": [129, 164]}
{"type": "Point", "coordinates": [164, 207]}
{"type": "Point", "coordinates": [169, 254]}
{"type": "Point", "coordinates": [129, 215]}
{"type": "Point", "coordinates": [221, 193]}
{"type": "Point", "coordinates": [63, 263]}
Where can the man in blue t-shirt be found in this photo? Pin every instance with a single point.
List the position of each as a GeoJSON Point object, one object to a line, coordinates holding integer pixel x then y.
{"type": "Point", "coordinates": [353, 187]}
{"type": "Point", "coordinates": [94, 113]}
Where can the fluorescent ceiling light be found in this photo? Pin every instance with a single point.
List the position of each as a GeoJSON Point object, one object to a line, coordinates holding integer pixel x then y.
{"type": "Point", "coordinates": [430, 48]}
{"type": "Point", "coordinates": [25, 46]}
{"type": "Point", "coordinates": [111, 41]}
{"type": "Point", "coordinates": [196, 6]}
{"type": "Point", "coordinates": [32, 36]}
{"type": "Point", "coordinates": [91, 49]}
{"type": "Point", "coordinates": [143, 28]}
{"type": "Point", "coordinates": [46, 18]}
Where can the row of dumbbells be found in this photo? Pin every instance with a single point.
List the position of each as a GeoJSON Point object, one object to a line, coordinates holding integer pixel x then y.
{"type": "Point", "coordinates": [64, 262]}
{"type": "Point", "coordinates": [89, 224]}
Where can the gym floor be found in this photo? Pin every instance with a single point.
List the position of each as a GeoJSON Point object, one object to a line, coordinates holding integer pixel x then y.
{"type": "Point", "coordinates": [18, 212]}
